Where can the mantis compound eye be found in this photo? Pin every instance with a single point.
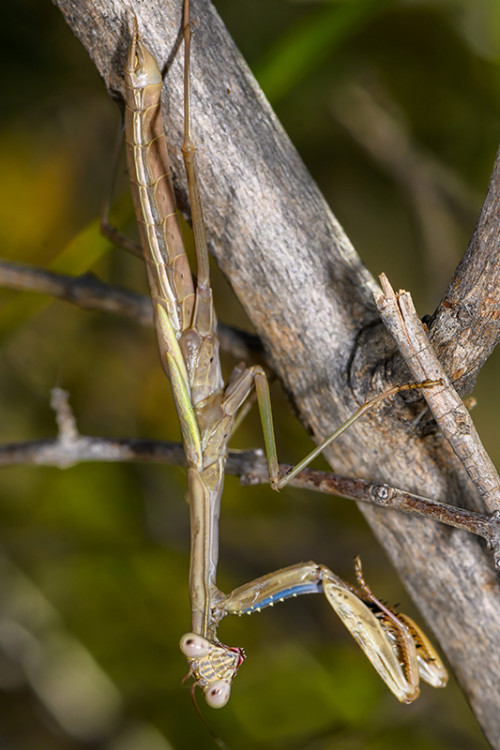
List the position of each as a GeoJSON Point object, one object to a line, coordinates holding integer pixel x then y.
{"type": "Point", "coordinates": [217, 694]}
{"type": "Point", "coordinates": [194, 646]}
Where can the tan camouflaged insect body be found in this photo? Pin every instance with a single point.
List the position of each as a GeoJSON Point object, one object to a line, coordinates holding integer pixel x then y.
{"type": "Point", "coordinates": [185, 324]}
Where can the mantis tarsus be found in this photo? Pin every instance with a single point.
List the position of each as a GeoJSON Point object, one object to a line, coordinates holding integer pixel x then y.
{"type": "Point", "coordinates": [186, 330]}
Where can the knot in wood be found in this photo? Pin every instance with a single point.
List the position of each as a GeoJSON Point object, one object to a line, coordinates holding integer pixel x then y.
{"type": "Point", "coordinates": [382, 494]}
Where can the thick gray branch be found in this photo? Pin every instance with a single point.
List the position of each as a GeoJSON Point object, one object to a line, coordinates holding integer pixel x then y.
{"type": "Point", "coordinates": [466, 326]}
{"type": "Point", "coordinates": [311, 301]}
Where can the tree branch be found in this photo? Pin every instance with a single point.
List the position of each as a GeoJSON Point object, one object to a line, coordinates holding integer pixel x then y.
{"type": "Point", "coordinates": [70, 448]}
{"type": "Point", "coordinates": [453, 419]}
{"type": "Point", "coordinates": [90, 293]}
{"type": "Point", "coordinates": [465, 328]}
{"type": "Point", "coordinates": [311, 301]}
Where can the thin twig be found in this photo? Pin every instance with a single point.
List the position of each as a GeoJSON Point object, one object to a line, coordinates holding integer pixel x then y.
{"type": "Point", "coordinates": [70, 448]}
{"type": "Point", "coordinates": [66, 422]}
{"type": "Point", "coordinates": [90, 293]}
{"type": "Point", "coordinates": [251, 467]}
{"type": "Point", "coordinates": [401, 320]}
{"type": "Point", "coordinates": [86, 291]}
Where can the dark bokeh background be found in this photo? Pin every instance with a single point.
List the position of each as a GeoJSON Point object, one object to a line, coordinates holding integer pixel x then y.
{"type": "Point", "coordinates": [395, 107]}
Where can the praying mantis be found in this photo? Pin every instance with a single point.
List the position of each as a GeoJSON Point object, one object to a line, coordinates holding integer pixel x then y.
{"type": "Point", "coordinates": [185, 324]}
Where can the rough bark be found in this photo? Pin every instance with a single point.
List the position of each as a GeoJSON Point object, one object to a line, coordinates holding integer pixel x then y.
{"type": "Point", "coordinates": [311, 300]}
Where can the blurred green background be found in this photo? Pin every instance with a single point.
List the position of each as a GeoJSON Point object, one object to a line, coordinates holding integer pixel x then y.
{"type": "Point", "coordinates": [94, 559]}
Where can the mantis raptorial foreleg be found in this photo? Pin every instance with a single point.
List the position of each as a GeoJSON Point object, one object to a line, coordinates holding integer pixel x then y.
{"type": "Point", "coordinates": [393, 643]}
{"type": "Point", "coordinates": [404, 634]}
{"type": "Point", "coordinates": [186, 331]}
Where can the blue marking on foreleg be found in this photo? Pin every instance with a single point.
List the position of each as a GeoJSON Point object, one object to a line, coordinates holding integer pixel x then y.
{"type": "Point", "coordinates": [315, 587]}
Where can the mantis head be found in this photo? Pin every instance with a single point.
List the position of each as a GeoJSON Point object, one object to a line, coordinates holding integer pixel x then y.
{"type": "Point", "coordinates": [212, 666]}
